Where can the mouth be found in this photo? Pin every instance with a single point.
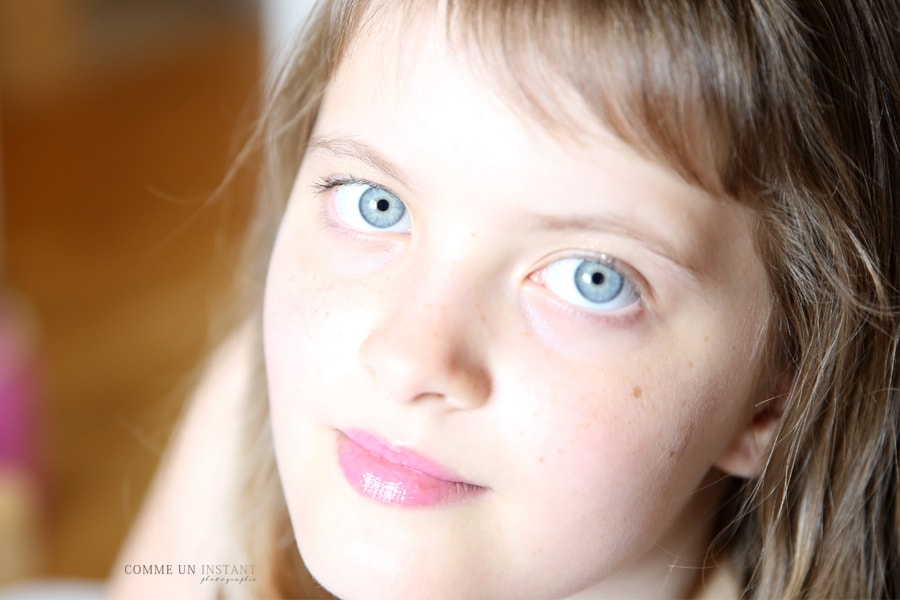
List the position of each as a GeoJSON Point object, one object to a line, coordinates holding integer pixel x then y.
{"type": "Point", "coordinates": [398, 476]}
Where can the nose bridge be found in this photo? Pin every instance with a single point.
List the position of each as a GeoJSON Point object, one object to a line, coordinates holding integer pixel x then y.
{"type": "Point", "coordinates": [444, 294]}
{"type": "Point", "coordinates": [425, 341]}
{"type": "Point", "coordinates": [440, 294]}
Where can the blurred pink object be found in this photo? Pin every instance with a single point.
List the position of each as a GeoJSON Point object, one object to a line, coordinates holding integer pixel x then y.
{"type": "Point", "coordinates": [19, 425]}
{"type": "Point", "coordinates": [21, 465]}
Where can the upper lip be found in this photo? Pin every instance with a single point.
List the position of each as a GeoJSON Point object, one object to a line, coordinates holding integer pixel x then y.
{"type": "Point", "coordinates": [401, 455]}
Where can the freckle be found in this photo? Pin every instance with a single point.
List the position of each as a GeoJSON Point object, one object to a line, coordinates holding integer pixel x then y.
{"type": "Point", "coordinates": [671, 453]}
{"type": "Point", "coordinates": [690, 364]}
{"type": "Point", "coordinates": [637, 392]}
{"type": "Point", "coordinates": [705, 338]}
{"type": "Point", "coordinates": [541, 459]}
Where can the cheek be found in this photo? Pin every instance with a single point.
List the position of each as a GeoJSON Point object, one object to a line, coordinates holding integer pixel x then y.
{"type": "Point", "coordinates": [635, 426]}
{"type": "Point", "coordinates": [310, 333]}
{"type": "Point", "coordinates": [308, 329]}
{"type": "Point", "coordinates": [605, 431]}
{"type": "Point", "coordinates": [603, 452]}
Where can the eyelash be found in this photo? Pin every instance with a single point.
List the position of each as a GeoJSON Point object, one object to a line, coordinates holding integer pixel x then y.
{"type": "Point", "coordinates": [332, 181]}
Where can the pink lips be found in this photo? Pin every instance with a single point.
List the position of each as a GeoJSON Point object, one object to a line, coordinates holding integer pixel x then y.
{"type": "Point", "coordinates": [397, 476]}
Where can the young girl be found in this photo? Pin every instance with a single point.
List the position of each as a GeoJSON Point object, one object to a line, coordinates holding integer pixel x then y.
{"type": "Point", "coordinates": [567, 300]}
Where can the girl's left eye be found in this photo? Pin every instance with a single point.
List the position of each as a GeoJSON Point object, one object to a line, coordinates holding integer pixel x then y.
{"type": "Point", "coordinates": [590, 284]}
{"type": "Point", "coordinates": [368, 207]}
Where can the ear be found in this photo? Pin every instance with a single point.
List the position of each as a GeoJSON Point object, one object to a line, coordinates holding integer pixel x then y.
{"type": "Point", "coordinates": [746, 454]}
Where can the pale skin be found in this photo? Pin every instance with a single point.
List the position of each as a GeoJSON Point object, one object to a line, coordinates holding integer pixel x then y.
{"type": "Point", "coordinates": [598, 431]}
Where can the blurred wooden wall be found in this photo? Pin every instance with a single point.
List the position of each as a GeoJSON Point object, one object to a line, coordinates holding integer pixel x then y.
{"type": "Point", "coordinates": [112, 136]}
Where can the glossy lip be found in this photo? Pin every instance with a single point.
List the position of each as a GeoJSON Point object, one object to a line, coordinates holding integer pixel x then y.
{"type": "Point", "coordinates": [397, 476]}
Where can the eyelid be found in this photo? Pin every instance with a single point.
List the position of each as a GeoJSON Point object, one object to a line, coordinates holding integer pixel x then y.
{"type": "Point", "coordinates": [344, 148]}
{"type": "Point", "coordinates": [332, 181]}
{"type": "Point", "coordinates": [629, 272]}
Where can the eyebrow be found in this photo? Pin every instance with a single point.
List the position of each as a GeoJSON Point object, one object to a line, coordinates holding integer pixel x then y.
{"type": "Point", "coordinates": [593, 224]}
{"type": "Point", "coordinates": [343, 147]}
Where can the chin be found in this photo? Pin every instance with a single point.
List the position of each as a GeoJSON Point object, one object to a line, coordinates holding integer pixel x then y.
{"type": "Point", "coordinates": [375, 565]}
{"type": "Point", "coordinates": [378, 580]}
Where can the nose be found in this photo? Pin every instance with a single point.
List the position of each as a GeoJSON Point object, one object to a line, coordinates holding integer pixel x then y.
{"type": "Point", "coordinates": [421, 351]}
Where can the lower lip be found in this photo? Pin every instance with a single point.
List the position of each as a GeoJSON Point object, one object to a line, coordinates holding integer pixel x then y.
{"type": "Point", "coordinates": [375, 477]}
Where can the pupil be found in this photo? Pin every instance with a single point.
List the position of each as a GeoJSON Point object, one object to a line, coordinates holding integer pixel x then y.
{"type": "Point", "coordinates": [597, 278]}
{"type": "Point", "coordinates": [382, 205]}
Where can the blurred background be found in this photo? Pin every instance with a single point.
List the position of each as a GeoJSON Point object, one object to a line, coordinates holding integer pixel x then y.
{"type": "Point", "coordinates": [118, 119]}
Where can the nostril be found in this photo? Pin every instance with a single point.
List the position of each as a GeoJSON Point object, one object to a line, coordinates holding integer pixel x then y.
{"type": "Point", "coordinates": [472, 386]}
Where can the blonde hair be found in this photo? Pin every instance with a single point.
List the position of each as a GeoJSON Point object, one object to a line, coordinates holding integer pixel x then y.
{"type": "Point", "coordinates": [791, 107]}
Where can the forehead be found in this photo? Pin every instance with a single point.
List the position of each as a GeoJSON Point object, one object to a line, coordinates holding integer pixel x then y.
{"type": "Point", "coordinates": [408, 87]}
{"type": "Point", "coordinates": [391, 44]}
{"type": "Point", "coordinates": [576, 69]}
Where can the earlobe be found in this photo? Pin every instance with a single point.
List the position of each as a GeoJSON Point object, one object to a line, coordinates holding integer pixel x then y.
{"type": "Point", "coordinates": [746, 454]}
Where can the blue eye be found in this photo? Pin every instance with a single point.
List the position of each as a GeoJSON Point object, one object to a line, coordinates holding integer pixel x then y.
{"type": "Point", "coordinates": [369, 207]}
{"type": "Point", "coordinates": [591, 284]}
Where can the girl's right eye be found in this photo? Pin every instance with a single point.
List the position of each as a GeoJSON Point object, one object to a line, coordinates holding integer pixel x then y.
{"type": "Point", "coordinates": [370, 208]}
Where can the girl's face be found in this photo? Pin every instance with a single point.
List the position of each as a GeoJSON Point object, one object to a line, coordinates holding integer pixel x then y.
{"type": "Point", "coordinates": [501, 364]}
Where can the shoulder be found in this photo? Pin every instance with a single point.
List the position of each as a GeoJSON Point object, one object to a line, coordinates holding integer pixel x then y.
{"type": "Point", "coordinates": [184, 519]}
